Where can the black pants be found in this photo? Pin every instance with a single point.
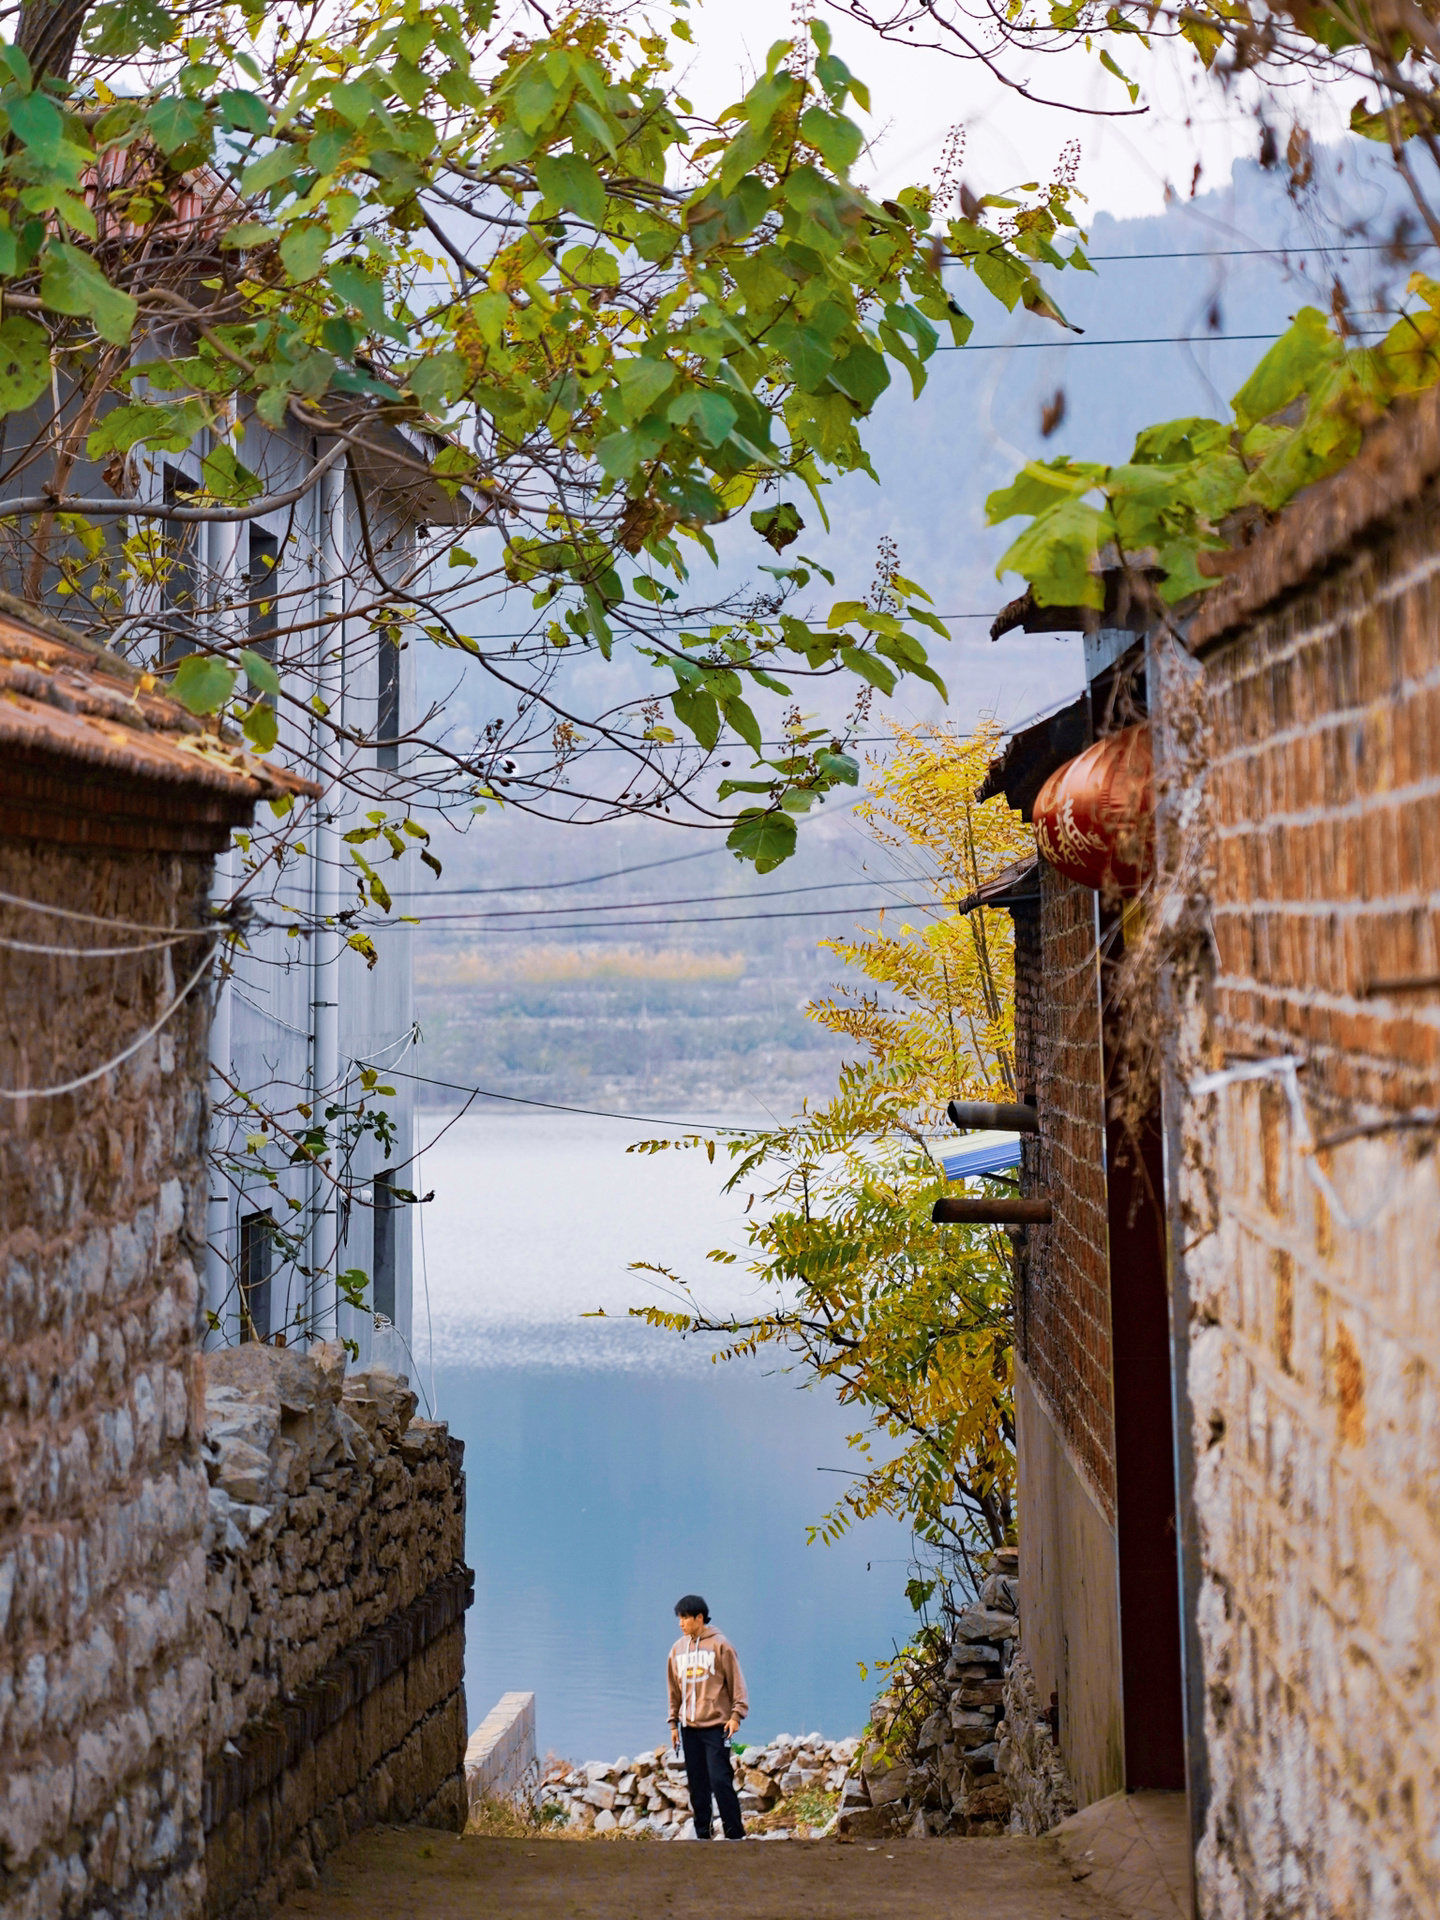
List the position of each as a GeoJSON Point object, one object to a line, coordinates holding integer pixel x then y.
{"type": "Point", "coordinates": [707, 1769]}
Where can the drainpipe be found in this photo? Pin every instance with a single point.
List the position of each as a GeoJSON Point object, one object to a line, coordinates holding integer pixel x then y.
{"type": "Point", "coordinates": [219, 1212]}
{"type": "Point", "coordinates": [327, 672]}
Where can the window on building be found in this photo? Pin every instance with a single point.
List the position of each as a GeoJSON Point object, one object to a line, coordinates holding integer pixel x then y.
{"type": "Point", "coordinates": [257, 1252]}
{"type": "Point", "coordinates": [260, 580]}
{"type": "Point", "coordinates": [382, 1292]}
{"type": "Point", "coordinates": [387, 710]}
{"type": "Point", "coordinates": [177, 592]}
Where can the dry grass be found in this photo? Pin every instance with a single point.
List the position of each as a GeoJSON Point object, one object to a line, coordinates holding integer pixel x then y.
{"type": "Point", "coordinates": [803, 1813]}
{"type": "Point", "coordinates": [502, 1820]}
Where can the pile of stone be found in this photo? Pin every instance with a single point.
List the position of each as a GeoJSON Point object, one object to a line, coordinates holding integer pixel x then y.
{"type": "Point", "coordinates": [648, 1795]}
{"type": "Point", "coordinates": [930, 1764]}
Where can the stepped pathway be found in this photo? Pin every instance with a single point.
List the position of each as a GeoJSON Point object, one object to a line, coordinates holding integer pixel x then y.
{"type": "Point", "coordinates": [407, 1873]}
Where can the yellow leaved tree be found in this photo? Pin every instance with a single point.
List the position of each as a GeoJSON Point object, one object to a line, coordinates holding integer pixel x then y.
{"type": "Point", "coordinates": [907, 1321]}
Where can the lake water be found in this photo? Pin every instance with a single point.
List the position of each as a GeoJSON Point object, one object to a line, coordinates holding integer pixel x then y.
{"type": "Point", "coordinates": [612, 1467]}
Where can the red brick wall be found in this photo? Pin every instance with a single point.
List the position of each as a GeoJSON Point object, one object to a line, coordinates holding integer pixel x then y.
{"type": "Point", "coordinates": [1313, 1363]}
{"type": "Point", "coordinates": [1064, 1305]}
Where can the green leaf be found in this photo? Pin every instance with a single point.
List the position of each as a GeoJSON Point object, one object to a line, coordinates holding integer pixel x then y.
{"type": "Point", "coordinates": [353, 102]}
{"type": "Point", "coordinates": [228, 479]}
{"type": "Point", "coordinates": [742, 718]}
{"type": "Point", "coordinates": [838, 140]}
{"type": "Point", "coordinates": [641, 383]}
{"type": "Point", "coordinates": [243, 112]}
{"type": "Point", "coordinates": [24, 364]}
{"type": "Point", "coordinates": [259, 671]}
{"type": "Point", "coordinates": [35, 120]}
{"type": "Point", "coordinates": [72, 283]}
{"type": "Point", "coordinates": [168, 429]}
{"type": "Point", "coordinates": [260, 726]}
{"type": "Point", "coordinates": [122, 27]}
{"type": "Point", "coordinates": [303, 249]}
{"type": "Point", "coordinates": [176, 122]}
{"type": "Point", "coordinates": [1297, 358]}
{"type": "Point", "coordinates": [1039, 486]}
{"type": "Point", "coordinates": [1130, 86]}
{"type": "Point", "coordinates": [766, 837]}
{"type": "Point", "coordinates": [697, 711]}
{"type": "Point", "coordinates": [572, 183]}
{"type": "Point", "coordinates": [202, 683]}
{"type": "Point", "coordinates": [778, 526]}
{"type": "Point", "coordinates": [839, 766]}
{"type": "Point", "coordinates": [711, 414]}
{"type": "Point", "coordinates": [862, 375]}
{"type": "Point", "coordinates": [868, 668]}
{"type": "Point", "coordinates": [363, 291]}
{"type": "Point", "coordinates": [1058, 554]}
{"type": "Point", "coordinates": [280, 164]}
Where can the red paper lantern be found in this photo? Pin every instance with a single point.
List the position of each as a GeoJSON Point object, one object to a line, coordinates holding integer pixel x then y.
{"type": "Point", "coordinates": [1095, 816]}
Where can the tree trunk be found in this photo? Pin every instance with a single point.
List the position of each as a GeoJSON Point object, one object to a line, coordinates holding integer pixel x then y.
{"type": "Point", "coordinates": [49, 32]}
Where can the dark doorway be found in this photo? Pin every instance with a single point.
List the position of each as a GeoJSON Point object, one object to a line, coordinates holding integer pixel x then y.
{"type": "Point", "coordinates": [257, 1252]}
{"type": "Point", "coordinates": [1152, 1672]}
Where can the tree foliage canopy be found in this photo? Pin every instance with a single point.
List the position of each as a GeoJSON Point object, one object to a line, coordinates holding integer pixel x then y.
{"type": "Point", "coordinates": [501, 259]}
{"type": "Point", "coordinates": [907, 1321]}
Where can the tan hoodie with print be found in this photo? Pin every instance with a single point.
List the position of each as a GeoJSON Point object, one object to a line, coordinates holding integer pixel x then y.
{"type": "Point", "coordinates": [706, 1684]}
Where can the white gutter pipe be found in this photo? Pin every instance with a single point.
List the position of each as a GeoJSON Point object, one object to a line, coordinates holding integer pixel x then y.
{"type": "Point", "coordinates": [326, 944]}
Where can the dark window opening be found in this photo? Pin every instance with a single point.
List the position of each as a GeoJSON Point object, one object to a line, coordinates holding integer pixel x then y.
{"type": "Point", "coordinates": [257, 1251]}
{"type": "Point", "coordinates": [177, 590]}
{"type": "Point", "coordinates": [382, 1296]}
{"type": "Point", "coordinates": [260, 583]}
{"type": "Point", "coordinates": [387, 711]}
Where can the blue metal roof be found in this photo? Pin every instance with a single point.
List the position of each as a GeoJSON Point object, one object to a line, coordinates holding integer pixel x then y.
{"type": "Point", "coordinates": [990, 1156]}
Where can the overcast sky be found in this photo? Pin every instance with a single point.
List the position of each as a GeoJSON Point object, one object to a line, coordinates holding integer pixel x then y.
{"type": "Point", "coordinates": [918, 96]}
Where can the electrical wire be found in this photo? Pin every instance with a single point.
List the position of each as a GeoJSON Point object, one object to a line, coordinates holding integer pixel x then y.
{"type": "Point", "coordinates": [90, 953]}
{"type": "Point", "coordinates": [1153, 340]}
{"type": "Point", "coordinates": [690, 920]}
{"type": "Point", "coordinates": [684, 900]}
{"type": "Point", "coordinates": [102, 920]}
{"type": "Point", "coordinates": [84, 1079]}
{"type": "Point", "coordinates": [555, 1106]}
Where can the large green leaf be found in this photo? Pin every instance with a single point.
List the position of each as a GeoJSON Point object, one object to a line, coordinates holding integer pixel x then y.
{"type": "Point", "coordinates": [175, 122]}
{"type": "Point", "coordinates": [203, 683]}
{"type": "Point", "coordinates": [641, 383]}
{"type": "Point", "coordinates": [1058, 554]}
{"type": "Point", "coordinates": [228, 478]}
{"type": "Point", "coordinates": [303, 249]}
{"type": "Point", "coordinates": [835, 138]}
{"type": "Point", "coordinates": [35, 121]}
{"type": "Point", "coordinates": [764, 837]}
{"type": "Point", "coordinates": [1295, 360]}
{"type": "Point", "coordinates": [24, 364]}
{"type": "Point", "coordinates": [72, 283]}
{"type": "Point", "coordinates": [573, 184]}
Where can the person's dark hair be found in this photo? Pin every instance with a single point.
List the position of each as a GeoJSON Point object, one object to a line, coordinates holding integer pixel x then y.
{"type": "Point", "coordinates": [692, 1603]}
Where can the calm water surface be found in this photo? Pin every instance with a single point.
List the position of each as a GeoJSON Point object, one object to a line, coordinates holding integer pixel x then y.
{"type": "Point", "coordinates": [611, 1467]}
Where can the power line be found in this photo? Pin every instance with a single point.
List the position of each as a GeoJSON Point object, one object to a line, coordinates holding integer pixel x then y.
{"type": "Point", "coordinates": [691, 920]}
{"type": "Point", "coordinates": [618, 906]}
{"type": "Point", "coordinates": [1241, 253]}
{"type": "Point", "coordinates": [553, 886]}
{"type": "Point", "coordinates": [1152, 340]}
{"type": "Point", "coordinates": [555, 1106]}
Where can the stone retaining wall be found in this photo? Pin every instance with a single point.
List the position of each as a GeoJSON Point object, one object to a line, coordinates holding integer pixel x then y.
{"type": "Point", "coordinates": [334, 1622]}
{"type": "Point", "coordinates": [102, 1490]}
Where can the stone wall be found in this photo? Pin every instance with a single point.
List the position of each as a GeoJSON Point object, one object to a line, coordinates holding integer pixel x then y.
{"type": "Point", "coordinates": [335, 1618]}
{"type": "Point", "coordinates": [102, 1487]}
{"type": "Point", "coordinates": [1314, 1367]}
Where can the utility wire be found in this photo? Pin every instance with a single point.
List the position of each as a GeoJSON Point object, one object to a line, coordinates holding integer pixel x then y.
{"type": "Point", "coordinates": [555, 1106]}
{"type": "Point", "coordinates": [620, 906]}
{"type": "Point", "coordinates": [691, 920]}
{"type": "Point", "coordinates": [1152, 340]}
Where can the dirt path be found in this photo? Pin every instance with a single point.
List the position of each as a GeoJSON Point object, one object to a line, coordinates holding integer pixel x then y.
{"type": "Point", "coordinates": [408, 1874]}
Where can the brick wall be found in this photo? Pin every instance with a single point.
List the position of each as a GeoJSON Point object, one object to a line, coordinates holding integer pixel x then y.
{"type": "Point", "coordinates": [1065, 1277]}
{"type": "Point", "coordinates": [1313, 1365]}
{"type": "Point", "coordinates": [103, 1494]}
{"type": "Point", "coordinates": [335, 1618]}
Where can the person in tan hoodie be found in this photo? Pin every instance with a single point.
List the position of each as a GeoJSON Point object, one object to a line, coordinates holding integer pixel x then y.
{"type": "Point", "coordinates": [707, 1703]}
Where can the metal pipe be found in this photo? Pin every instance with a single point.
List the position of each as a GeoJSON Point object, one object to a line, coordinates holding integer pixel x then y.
{"type": "Point", "coordinates": [329, 563]}
{"type": "Point", "coordinates": [988, 1212]}
{"type": "Point", "coordinates": [1003, 1116]}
